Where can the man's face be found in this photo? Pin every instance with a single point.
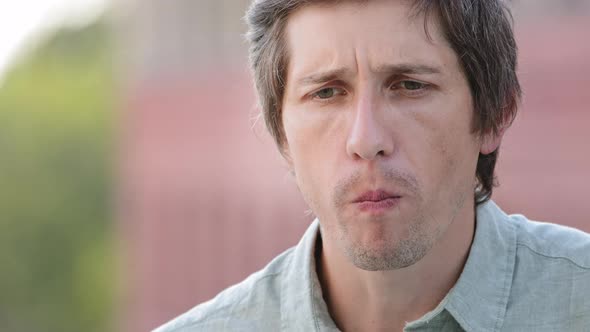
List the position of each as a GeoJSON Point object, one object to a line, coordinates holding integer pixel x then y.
{"type": "Point", "coordinates": [377, 118]}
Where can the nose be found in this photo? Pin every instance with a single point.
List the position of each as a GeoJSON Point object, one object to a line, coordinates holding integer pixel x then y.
{"type": "Point", "coordinates": [369, 136]}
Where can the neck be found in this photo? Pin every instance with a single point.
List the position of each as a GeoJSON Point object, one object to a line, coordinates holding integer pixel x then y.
{"type": "Point", "coordinates": [360, 300]}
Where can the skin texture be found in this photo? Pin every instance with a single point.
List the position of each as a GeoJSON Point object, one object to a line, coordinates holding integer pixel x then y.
{"type": "Point", "coordinates": [372, 104]}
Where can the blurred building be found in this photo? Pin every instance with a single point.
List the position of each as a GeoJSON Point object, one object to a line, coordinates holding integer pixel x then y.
{"type": "Point", "coordinates": [204, 196]}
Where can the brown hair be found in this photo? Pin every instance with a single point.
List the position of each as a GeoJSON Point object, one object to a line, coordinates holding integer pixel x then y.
{"type": "Point", "coordinates": [479, 31]}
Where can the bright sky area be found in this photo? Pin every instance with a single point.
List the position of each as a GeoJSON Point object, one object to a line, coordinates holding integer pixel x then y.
{"type": "Point", "coordinates": [24, 21]}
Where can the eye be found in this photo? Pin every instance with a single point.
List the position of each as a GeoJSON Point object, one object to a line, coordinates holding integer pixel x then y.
{"type": "Point", "coordinates": [327, 93]}
{"type": "Point", "coordinates": [412, 85]}
{"type": "Point", "coordinates": [410, 88]}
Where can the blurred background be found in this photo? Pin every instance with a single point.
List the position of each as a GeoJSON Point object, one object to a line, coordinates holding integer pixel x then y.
{"type": "Point", "coordinates": [136, 182]}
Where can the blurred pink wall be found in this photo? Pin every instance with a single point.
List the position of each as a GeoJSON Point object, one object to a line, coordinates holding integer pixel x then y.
{"type": "Point", "coordinates": [544, 168]}
{"type": "Point", "coordinates": [205, 200]}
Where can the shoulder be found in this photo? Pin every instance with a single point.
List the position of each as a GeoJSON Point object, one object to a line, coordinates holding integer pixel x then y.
{"type": "Point", "coordinates": [240, 306]}
{"type": "Point", "coordinates": [551, 242]}
{"type": "Point", "coordinates": [551, 280]}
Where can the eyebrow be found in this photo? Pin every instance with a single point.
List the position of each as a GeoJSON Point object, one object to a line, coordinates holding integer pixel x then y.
{"type": "Point", "coordinates": [398, 69]}
{"type": "Point", "coordinates": [322, 77]}
{"type": "Point", "coordinates": [404, 68]}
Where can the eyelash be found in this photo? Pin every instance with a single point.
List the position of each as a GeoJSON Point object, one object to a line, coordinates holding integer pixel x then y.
{"type": "Point", "coordinates": [315, 96]}
{"type": "Point", "coordinates": [408, 92]}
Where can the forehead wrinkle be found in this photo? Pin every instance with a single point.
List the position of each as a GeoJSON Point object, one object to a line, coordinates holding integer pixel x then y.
{"type": "Point", "coordinates": [407, 68]}
{"type": "Point", "coordinates": [324, 76]}
{"type": "Point", "coordinates": [326, 63]}
{"type": "Point", "coordinates": [336, 66]}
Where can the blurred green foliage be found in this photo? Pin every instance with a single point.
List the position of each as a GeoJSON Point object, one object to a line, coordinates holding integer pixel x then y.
{"type": "Point", "coordinates": [57, 245]}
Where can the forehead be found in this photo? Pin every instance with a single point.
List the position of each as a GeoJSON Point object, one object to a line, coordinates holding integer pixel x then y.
{"type": "Point", "coordinates": [371, 34]}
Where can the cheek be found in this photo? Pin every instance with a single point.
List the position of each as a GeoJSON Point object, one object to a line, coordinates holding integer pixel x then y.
{"type": "Point", "coordinates": [315, 140]}
{"type": "Point", "coordinates": [314, 184]}
{"type": "Point", "coordinates": [308, 158]}
{"type": "Point", "coordinates": [448, 154]}
{"type": "Point", "coordinates": [456, 151]}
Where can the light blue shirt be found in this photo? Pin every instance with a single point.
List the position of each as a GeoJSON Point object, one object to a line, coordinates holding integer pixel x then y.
{"type": "Point", "coordinates": [520, 276]}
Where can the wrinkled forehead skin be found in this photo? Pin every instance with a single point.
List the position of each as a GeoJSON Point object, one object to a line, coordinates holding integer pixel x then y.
{"type": "Point", "coordinates": [392, 47]}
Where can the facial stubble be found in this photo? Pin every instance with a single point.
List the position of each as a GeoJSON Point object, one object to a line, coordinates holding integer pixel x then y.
{"type": "Point", "coordinates": [390, 251]}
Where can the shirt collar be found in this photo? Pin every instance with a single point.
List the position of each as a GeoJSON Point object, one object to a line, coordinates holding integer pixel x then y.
{"type": "Point", "coordinates": [302, 305]}
{"type": "Point", "coordinates": [477, 301]}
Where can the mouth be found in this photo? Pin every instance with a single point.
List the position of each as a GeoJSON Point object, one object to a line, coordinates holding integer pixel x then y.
{"type": "Point", "coordinates": [377, 201]}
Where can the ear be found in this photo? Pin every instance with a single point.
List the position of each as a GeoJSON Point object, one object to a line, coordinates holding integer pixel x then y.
{"type": "Point", "coordinates": [491, 141]}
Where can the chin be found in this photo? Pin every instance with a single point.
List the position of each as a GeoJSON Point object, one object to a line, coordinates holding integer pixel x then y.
{"type": "Point", "coordinates": [389, 246]}
{"type": "Point", "coordinates": [395, 256]}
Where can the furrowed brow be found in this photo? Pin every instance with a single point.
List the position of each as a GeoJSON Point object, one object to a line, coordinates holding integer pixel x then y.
{"type": "Point", "coordinates": [405, 69]}
{"type": "Point", "coordinates": [394, 69]}
{"type": "Point", "coordinates": [322, 77]}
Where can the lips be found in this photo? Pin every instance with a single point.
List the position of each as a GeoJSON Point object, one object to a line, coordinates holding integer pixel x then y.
{"type": "Point", "coordinates": [377, 202]}
{"type": "Point", "coordinates": [375, 196]}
